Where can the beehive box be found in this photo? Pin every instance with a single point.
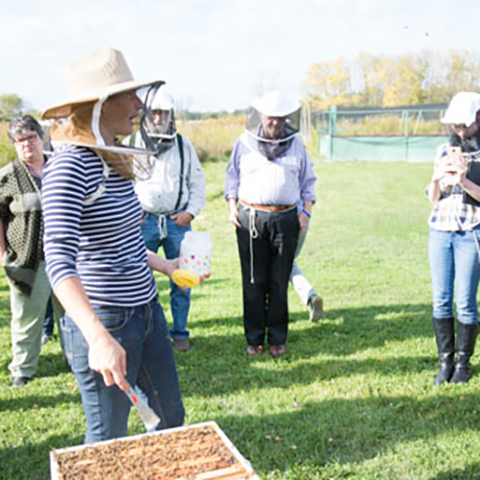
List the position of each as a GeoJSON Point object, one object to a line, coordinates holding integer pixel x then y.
{"type": "Point", "coordinates": [199, 452]}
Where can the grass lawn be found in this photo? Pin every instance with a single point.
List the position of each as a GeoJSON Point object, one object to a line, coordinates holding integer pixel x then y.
{"type": "Point", "coordinates": [354, 397]}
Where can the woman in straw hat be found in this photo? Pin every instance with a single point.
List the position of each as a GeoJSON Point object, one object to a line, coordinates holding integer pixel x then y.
{"type": "Point", "coordinates": [454, 238]}
{"type": "Point", "coordinates": [114, 330]}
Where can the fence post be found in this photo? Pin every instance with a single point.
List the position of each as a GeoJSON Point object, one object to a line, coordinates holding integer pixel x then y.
{"type": "Point", "coordinates": [406, 136]}
{"type": "Point", "coordinates": [332, 128]}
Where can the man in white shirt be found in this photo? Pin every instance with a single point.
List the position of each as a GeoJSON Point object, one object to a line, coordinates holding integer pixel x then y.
{"type": "Point", "coordinates": [171, 198]}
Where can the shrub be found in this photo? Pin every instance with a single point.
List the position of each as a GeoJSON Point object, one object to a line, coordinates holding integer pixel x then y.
{"type": "Point", "coordinates": [7, 151]}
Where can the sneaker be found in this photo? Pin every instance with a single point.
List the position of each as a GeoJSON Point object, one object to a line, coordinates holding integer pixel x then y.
{"type": "Point", "coordinates": [20, 381]}
{"type": "Point", "coordinates": [46, 338]}
{"type": "Point", "coordinates": [181, 344]}
{"type": "Point", "coordinates": [315, 308]}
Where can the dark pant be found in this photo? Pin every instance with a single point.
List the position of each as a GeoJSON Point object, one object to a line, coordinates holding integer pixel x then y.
{"type": "Point", "coordinates": [266, 263]}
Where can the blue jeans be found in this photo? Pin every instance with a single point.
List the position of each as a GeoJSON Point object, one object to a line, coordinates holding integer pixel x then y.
{"type": "Point", "coordinates": [454, 259]}
{"type": "Point", "coordinates": [142, 332]}
{"type": "Point", "coordinates": [48, 323]}
{"type": "Point", "coordinates": [179, 299]}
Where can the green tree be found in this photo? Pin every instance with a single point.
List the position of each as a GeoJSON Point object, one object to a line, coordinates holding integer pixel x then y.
{"type": "Point", "coordinates": [10, 105]}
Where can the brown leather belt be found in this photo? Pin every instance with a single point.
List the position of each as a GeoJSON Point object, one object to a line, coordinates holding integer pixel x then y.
{"type": "Point", "coordinates": [268, 208]}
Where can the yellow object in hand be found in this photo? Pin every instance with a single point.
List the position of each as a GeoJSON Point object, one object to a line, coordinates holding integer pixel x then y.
{"type": "Point", "coordinates": [185, 278]}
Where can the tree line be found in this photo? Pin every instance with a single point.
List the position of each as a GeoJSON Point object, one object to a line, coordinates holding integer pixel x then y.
{"type": "Point", "coordinates": [368, 80]}
{"type": "Point", "coordinates": [388, 81]}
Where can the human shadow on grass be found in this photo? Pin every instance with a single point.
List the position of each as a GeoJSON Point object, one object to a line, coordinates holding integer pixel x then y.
{"type": "Point", "coordinates": [49, 364]}
{"type": "Point", "coordinates": [31, 461]}
{"type": "Point", "coordinates": [225, 376]}
{"type": "Point", "coordinates": [347, 431]}
{"type": "Point", "coordinates": [26, 401]}
{"type": "Point", "coordinates": [218, 364]}
{"type": "Point", "coordinates": [349, 330]}
{"type": "Point", "coordinates": [470, 472]}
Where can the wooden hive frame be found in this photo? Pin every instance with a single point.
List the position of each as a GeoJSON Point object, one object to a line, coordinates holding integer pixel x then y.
{"type": "Point", "coordinates": [185, 456]}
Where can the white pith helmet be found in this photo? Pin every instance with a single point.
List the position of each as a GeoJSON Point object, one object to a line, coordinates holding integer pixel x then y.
{"type": "Point", "coordinates": [276, 104]}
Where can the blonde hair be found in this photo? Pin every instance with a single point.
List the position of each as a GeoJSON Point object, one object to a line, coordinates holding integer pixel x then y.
{"type": "Point", "coordinates": [77, 129]}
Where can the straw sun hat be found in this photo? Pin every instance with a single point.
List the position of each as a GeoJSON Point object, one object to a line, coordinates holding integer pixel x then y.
{"type": "Point", "coordinates": [94, 76]}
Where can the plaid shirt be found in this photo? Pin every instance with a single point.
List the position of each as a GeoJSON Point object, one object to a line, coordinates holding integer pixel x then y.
{"type": "Point", "coordinates": [450, 213]}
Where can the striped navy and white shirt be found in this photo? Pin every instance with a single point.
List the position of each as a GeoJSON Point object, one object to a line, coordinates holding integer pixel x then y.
{"type": "Point", "coordinates": [100, 243]}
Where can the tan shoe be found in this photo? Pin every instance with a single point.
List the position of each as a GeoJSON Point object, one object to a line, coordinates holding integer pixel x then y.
{"type": "Point", "coordinates": [277, 350]}
{"type": "Point", "coordinates": [315, 308]}
{"type": "Point", "coordinates": [181, 344]}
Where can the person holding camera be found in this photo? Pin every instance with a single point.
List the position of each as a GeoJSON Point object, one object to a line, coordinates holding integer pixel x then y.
{"type": "Point", "coordinates": [454, 239]}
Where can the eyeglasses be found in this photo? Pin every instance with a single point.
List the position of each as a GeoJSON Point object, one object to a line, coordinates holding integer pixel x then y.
{"type": "Point", "coordinates": [28, 138]}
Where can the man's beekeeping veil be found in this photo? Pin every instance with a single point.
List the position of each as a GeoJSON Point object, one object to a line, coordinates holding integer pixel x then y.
{"type": "Point", "coordinates": [277, 105]}
{"type": "Point", "coordinates": [161, 128]}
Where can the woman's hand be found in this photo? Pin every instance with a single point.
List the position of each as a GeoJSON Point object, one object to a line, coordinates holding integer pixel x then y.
{"type": "Point", "coordinates": [445, 168]}
{"type": "Point", "coordinates": [107, 357]}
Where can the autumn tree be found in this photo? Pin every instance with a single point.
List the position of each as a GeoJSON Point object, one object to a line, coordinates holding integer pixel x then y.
{"type": "Point", "coordinates": [328, 83]}
{"type": "Point", "coordinates": [381, 81]}
{"type": "Point", "coordinates": [373, 77]}
{"type": "Point", "coordinates": [462, 73]}
{"type": "Point", "coordinates": [405, 81]}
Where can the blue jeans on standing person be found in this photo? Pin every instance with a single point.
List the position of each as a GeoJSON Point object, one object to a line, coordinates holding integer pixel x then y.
{"type": "Point", "coordinates": [454, 259]}
{"type": "Point", "coordinates": [48, 323]}
{"type": "Point", "coordinates": [179, 299]}
{"type": "Point", "coordinates": [142, 332]}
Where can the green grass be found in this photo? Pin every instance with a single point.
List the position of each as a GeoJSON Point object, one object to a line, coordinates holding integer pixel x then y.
{"type": "Point", "coordinates": [354, 396]}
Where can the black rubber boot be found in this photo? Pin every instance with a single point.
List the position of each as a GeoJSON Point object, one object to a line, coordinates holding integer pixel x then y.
{"type": "Point", "coordinates": [466, 338]}
{"type": "Point", "coordinates": [445, 336]}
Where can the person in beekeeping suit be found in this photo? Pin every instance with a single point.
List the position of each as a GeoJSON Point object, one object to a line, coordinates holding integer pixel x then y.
{"type": "Point", "coordinates": [171, 198]}
{"type": "Point", "coordinates": [268, 176]}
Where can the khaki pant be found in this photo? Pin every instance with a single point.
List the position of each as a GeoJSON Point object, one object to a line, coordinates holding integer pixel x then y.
{"type": "Point", "coordinates": [28, 313]}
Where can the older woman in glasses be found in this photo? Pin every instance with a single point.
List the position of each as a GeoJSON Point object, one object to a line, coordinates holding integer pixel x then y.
{"type": "Point", "coordinates": [21, 252]}
{"type": "Point", "coordinates": [454, 239]}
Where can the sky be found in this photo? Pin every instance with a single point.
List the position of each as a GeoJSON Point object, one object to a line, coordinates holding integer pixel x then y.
{"type": "Point", "coordinates": [218, 54]}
